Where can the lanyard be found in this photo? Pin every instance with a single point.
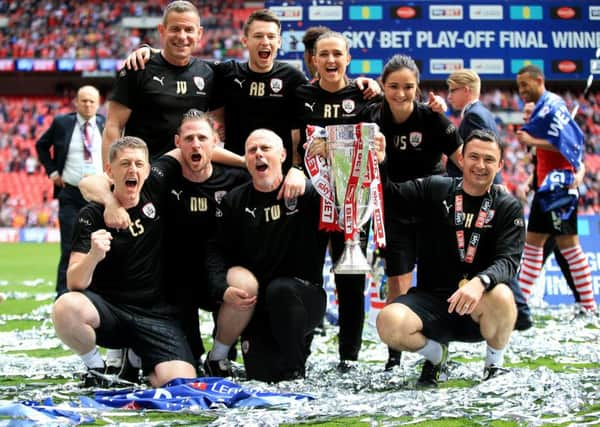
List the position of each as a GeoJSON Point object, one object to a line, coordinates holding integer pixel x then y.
{"type": "Point", "coordinates": [468, 256]}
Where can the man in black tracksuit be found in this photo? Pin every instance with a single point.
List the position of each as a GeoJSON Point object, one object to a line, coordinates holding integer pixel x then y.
{"type": "Point", "coordinates": [468, 253]}
{"type": "Point", "coordinates": [272, 248]}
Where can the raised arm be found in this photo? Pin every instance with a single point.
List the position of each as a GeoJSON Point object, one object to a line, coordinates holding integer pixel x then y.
{"type": "Point", "coordinates": [96, 188]}
{"type": "Point", "coordinates": [137, 59]}
{"type": "Point", "coordinates": [118, 114]}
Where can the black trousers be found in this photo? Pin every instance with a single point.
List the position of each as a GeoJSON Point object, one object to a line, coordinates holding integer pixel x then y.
{"type": "Point", "coordinates": [551, 246]}
{"type": "Point", "coordinates": [276, 343]}
{"type": "Point", "coordinates": [351, 300]}
{"type": "Point", "coordinates": [70, 201]}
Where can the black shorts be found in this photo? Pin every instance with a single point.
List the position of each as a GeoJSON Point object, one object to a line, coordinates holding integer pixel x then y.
{"type": "Point", "coordinates": [153, 333]}
{"type": "Point", "coordinates": [400, 252]}
{"type": "Point", "coordinates": [550, 222]}
{"type": "Point", "coordinates": [438, 324]}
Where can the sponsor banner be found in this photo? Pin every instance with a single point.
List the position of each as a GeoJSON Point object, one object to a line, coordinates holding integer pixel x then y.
{"type": "Point", "coordinates": [53, 235]}
{"type": "Point", "coordinates": [287, 13]}
{"type": "Point", "coordinates": [565, 12]}
{"type": "Point", "coordinates": [526, 12]}
{"type": "Point", "coordinates": [33, 235]}
{"type": "Point", "coordinates": [65, 65]}
{"type": "Point", "coordinates": [7, 65]}
{"type": "Point", "coordinates": [445, 66]}
{"type": "Point", "coordinates": [487, 66]}
{"type": "Point", "coordinates": [9, 235]}
{"type": "Point", "coordinates": [405, 12]}
{"type": "Point", "coordinates": [85, 64]}
{"type": "Point", "coordinates": [445, 12]}
{"type": "Point", "coordinates": [364, 12]}
{"type": "Point", "coordinates": [517, 64]}
{"type": "Point", "coordinates": [486, 12]}
{"type": "Point", "coordinates": [44, 65]}
{"type": "Point", "coordinates": [472, 31]}
{"type": "Point", "coordinates": [595, 66]}
{"type": "Point", "coordinates": [325, 13]}
{"type": "Point", "coordinates": [366, 66]}
{"type": "Point", "coordinates": [24, 64]}
{"type": "Point", "coordinates": [29, 235]}
{"type": "Point", "coordinates": [556, 289]}
{"type": "Point", "coordinates": [108, 64]}
{"type": "Point", "coordinates": [291, 41]}
{"type": "Point", "coordinates": [567, 66]}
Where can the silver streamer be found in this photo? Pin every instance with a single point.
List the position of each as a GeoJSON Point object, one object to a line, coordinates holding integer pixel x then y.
{"type": "Point", "coordinates": [528, 395]}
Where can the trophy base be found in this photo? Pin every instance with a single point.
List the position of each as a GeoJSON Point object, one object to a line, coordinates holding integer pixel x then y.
{"type": "Point", "coordinates": [352, 261]}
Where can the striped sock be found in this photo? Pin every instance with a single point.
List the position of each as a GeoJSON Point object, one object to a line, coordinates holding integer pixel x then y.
{"type": "Point", "coordinates": [582, 276]}
{"type": "Point", "coordinates": [531, 267]}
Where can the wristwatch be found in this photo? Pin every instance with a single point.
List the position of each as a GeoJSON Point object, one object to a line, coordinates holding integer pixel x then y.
{"type": "Point", "coordinates": [486, 280]}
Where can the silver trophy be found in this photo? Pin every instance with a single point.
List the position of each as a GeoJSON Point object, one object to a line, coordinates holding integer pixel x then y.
{"type": "Point", "coordinates": [352, 193]}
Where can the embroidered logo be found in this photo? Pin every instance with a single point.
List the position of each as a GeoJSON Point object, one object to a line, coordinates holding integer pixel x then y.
{"type": "Point", "coordinates": [149, 210]}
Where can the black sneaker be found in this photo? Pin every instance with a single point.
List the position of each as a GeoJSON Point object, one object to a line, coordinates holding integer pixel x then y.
{"type": "Point", "coordinates": [493, 371]}
{"type": "Point", "coordinates": [96, 378]}
{"type": "Point", "coordinates": [345, 366]}
{"type": "Point", "coordinates": [432, 375]}
{"type": "Point", "coordinates": [124, 371]}
{"type": "Point", "coordinates": [217, 368]}
{"type": "Point", "coordinates": [394, 359]}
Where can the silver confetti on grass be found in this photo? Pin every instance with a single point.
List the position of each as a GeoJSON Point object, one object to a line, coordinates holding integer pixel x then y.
{"type": "Point", "coordinates": [529, 395]}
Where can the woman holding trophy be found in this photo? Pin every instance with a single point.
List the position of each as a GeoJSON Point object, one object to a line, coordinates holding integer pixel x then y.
{"type": "Point", "coordinates": [416, 136]}
{"type": "Point", "coordinates": [334, 99]}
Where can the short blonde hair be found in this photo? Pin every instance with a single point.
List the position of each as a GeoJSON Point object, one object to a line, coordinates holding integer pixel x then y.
{"type": "Point", "coordinates": [124, 142]}
{"type": "Point", "coordinates": [466, 78]}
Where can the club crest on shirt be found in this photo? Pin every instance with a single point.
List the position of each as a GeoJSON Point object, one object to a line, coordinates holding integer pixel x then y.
{"type": "Point", "coordinates": [276, 85]}
{"type": "Point", "coordinates": [219, 195]}
{"type": "Point", "coordinates": [199, 82]}
{"type": "Point", "coordinates": [218, 213]}
{"type": "Point", "coordinates": [149, 210]}
{"type": "Point", "coordinates": [348, 105]}
{"type": "Point", "coordinates": [415, 138]}
{"type": "Point", "coordinates": [291, 204]}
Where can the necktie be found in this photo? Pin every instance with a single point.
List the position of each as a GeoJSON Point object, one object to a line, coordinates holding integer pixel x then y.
{"type": "Point", "coordinates": [87, 141]}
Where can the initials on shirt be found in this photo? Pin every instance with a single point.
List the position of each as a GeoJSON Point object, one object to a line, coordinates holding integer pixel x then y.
{"type": "Point", "coordinates": [468, 219]}
{"type": "Point", "coordinates": [198, 204]}
{"type": "Point", "coordinates": [272, 213]}
{"type": "Point", "coordinates": [257, 89]}
{"type": "Point", "coordinates": [136, 228]}
{"type": "Point", "coordinates": [331, 111]}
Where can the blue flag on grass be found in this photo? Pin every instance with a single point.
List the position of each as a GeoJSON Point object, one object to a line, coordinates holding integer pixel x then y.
{"type": "Point", "coordinates": [178, 395]}
{"type": "Point", "coordinates": [551, 120]}
{"type": "Point", "coordinates": [205, 393]}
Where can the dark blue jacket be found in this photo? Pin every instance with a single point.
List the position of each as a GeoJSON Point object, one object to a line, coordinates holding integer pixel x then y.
{"type": "Point", "coordinates": [59, 136]}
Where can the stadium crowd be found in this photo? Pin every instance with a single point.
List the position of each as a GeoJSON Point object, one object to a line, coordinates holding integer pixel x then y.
{"type": "Point", "coordinates": [91, 29]}
{"type": "Point", "coordinates": [24, 119]}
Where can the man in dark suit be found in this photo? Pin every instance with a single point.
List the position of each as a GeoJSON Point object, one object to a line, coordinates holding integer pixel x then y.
{"type": "Point", "coordinates": [76, 139]}
{"type": "Point", "coordinates": [464, 87]}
